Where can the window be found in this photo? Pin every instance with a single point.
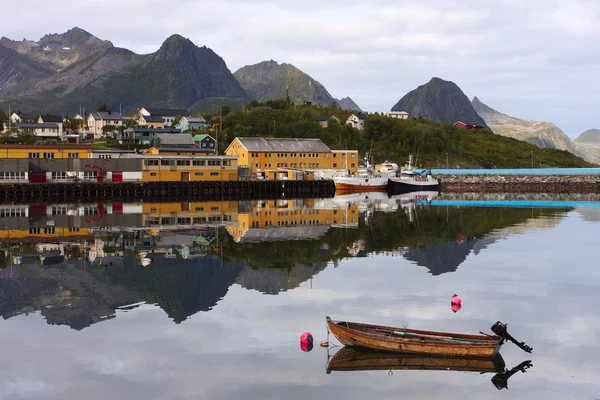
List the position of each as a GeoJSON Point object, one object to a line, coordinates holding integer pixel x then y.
{"type": "Point", "coordinates": [153, 174]}
{"type": "Point", "coordinates": [203, 144]}
{"type": "Point", "coordinates": [352, 165]}
{"type": "Point", "coordinates": [34, 155]}
{"type": "Point", "coordinates": [334, 155]}
{"type": "Point", "coordinates": [214, 174]}
{"type": "Point", "coordinates": [166, 162]}
{"type": "Point", "coordinates": [199, 163]}
{"type": "Point", "coordinates": [226, 163]}
{"type": "Point", "coordinates": [151, 162]}
{"type": "Point", "coordinates": [49, 155]}
{"type": "Point", "coordinates": [59, 175]}
{"type": "Point", "coordinates": [73, 155]}
{"type": "Point", "coordinates": [334, 165]}
{"type": "Point", "coordinates": [34, 231]}
{"type": "Point", "coordinates": [90, 175]}
{"type": "Point", "coordinates": [49, 230]}
{"type": "Point", "coordinates": [183, 162]}
{"type": "Point", "coordinates": [214, 208]}
{"type": "Point", "coordinates": [353, 155]}
{"type": "Point", "coordinates": [199, 173]}
{"type": "Point", "coordinates": [199, 209]}
{"type": "Point", "coordinates": [214, 162]}
{"type": "Point", "coordinates": [74, 229]}
{"type": "Point", "coordinates": [12, 212]}
{"type": "Point", "coordinates": [12, 175]}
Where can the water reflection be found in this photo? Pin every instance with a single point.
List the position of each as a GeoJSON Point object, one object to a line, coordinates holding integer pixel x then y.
{"type": "Point", "coordinates": [77, 264]}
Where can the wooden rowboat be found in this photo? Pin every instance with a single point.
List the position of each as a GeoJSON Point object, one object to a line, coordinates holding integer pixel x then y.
{"type": "Point", "coordinates": [401, 340]}
{"type": "Point", "coordinates": [357, 359]}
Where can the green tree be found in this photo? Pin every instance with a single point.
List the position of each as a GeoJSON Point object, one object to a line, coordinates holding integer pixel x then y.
{"type": "Point", "coordinates": [177, 119]}
{"type": "Point", "coordinates": [109, 130]}
{"type": "Point", "coordinates": [103, 107]}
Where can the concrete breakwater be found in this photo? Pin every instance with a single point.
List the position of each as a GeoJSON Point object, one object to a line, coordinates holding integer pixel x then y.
{"type": "Point", "coordinates": [520, 183]}
{"type": "Point", "coordinates": [165, 191]}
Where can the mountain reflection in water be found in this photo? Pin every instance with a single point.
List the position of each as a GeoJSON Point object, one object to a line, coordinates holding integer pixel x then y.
{"type": "Point", "coordinates": [78, 264]}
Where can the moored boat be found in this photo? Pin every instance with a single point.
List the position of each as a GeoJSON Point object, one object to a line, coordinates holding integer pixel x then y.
{"type": "Point", "coordinates": [366, 180]}
{"type": "Point", "coordinates": [404, 340]}
{"type": "Point", "coordinates": [410, 180]}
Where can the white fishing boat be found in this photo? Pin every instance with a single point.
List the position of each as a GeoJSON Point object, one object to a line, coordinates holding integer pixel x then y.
{"type": "Point", "coordinates": [366, 180]}
{"type": "Point", "coordinates": [410, 180]}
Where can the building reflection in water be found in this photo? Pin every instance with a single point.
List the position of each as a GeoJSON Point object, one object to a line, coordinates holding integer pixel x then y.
{"type": "Point", "coordinates": [79, 264]}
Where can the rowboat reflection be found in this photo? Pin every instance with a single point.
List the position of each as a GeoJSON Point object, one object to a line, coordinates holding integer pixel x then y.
{"type": "Point", "coordinates": [357, 359]}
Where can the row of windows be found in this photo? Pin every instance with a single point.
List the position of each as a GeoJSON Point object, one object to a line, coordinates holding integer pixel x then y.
{"type": "Point", "coordinates": [12, 175]}
{"type": "Point", "coordinates": [13, 212]}
{"type": "Point", "coordinates": [51, 155]}
{"type": "Point", "coordinates": [200, 163]}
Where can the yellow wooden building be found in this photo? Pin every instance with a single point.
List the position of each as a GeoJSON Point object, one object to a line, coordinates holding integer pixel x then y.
{"type": "Point", "coordinates": [162, 168]}
{"type": "Point", "coordinates": [165, 215]}
{"type": "Point", "coordinates": [178, 151]}
{"type": "Point", "coordinates": [298, 219]}
{"type": "Point", "coordinates": [270, 158]}
{"type": "Point", "coordinates": [51, 151]}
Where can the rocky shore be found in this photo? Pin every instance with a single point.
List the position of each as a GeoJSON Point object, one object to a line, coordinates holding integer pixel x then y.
{"type": "Point", "coordinates": [520, 183]}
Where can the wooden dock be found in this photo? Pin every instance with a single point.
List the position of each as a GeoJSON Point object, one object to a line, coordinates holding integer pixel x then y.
{"type": "Point", "coordinates": [165, 191]}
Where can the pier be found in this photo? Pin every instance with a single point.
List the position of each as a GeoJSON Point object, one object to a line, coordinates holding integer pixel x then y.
{"type": "Point", "coordinates": [159, 191]}
{"type": "Point", "coordinates": [513, 183]}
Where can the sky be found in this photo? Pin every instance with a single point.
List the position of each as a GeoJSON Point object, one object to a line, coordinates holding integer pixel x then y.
{"type": "Point", "coordinates": [532, 59]}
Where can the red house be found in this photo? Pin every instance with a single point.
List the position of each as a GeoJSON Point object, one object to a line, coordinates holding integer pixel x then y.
{"type": "Point", "coordinates": [468, 127]}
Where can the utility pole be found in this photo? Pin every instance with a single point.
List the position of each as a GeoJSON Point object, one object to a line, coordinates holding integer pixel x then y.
{"type": "Point", "coordinates": [446, 160]}
{"type": "Point", "coordinates": [532, 159]}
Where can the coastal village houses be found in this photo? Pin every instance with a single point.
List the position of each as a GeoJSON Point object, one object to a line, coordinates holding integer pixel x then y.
{"type": "Point", "coordinates": [205, 142]}
{"type": "Point", "coordinates": [396, 114]}
{"type": "Point", "coordinates": [191, 124]}
{"type": "Point", "coordinates": [357, 121]}
{"type": "Point", "coordinates": [97, 120]}
{"type": "Point", "coordinates": [323, 120]}
{"type": "Point", "coordinates": [167, 114]}
{"type": "Point", "coordinates": [52, 119]}
{"type": "Point", "coordinates": [151, 121]}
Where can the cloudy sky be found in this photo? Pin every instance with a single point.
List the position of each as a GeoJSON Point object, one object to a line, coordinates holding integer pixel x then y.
{"type": "Point", "coordinates": [533, 59]}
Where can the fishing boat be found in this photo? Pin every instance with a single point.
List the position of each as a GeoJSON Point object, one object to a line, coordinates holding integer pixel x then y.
{"type": "Point", "coordinates": [410, 180]}
{"type": "Point", "coordinates": [355, 359]}
{"type": "Point", "coordinates": [402, 340]}
{"type": "Point", "coordinates": [367, 179]}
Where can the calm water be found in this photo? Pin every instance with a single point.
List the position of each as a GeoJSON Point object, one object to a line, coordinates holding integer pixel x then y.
{"type": "Point", "coordinates": [208, 300]}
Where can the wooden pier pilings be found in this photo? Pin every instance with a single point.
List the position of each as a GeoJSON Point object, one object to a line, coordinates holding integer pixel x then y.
{"type": "Point", "coordinates": [165, 191]}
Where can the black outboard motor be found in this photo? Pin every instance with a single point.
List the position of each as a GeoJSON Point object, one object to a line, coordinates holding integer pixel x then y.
{"type": "Point", "coordinates": [500, 329]}
{"type": "Point", "coordinates": [500, 380]}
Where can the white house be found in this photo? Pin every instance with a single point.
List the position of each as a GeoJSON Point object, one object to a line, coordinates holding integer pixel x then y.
{"type": "Point", "coordinates": [97, 120]}
{"type": "Point", "coordinates": [52, 119]}
{"type": "Point", "coordinates": [357, 121]}
{"type": "Point", "coordinates": [167, 114]}
{"type": "Point", "coordinates": [396, 114]}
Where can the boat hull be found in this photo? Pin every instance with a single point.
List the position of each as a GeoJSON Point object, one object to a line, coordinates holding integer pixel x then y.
{"type": "Point", "coordinates": [356, 359]}
{"type": "Point", "coordinates": [381, 338]}
{"type": "Point", "coordinates": [345, 188]}
{"type": "Point", "coordinates": [397, 185]}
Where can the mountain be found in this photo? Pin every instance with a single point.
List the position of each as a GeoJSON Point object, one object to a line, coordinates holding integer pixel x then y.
{"type": "Point", "coordinates": [541, 134]}
{"type": "Point", "coordinates": [439, 101]}
{"type": "Point", "coordinates": [269, 80]}
{"type": "Point", "coordinates": [63, 71]}
{"type": "Point", "coordinates": [347, 104]}
{"type": "Point", "coordinates": [588, 144]}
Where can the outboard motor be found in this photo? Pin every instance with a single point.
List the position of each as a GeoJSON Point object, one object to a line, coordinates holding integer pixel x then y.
{"type": "Point", "coordinates": [500, 329]}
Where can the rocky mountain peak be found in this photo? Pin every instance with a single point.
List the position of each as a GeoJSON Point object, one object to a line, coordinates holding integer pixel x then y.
{"type": "Point", "coordinates": [439, 101]}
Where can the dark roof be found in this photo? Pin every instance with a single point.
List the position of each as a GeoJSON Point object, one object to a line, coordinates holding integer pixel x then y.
{"type": "Point", "coordinates": [114, 151]}
{"type": "Point", "coordinates": [276, 145]}
{"type": "Point", "coordinates": [44, 125]}
{"type": "Point", "coordinates": [178, 139]}
{"type": "Point", "coordinates": [361, 116]}
{"type": "Point", "coordinates": [109, 115]}
{"type": "Point", "coordinates": [25, 115]}
{"type": "Point", "coordinates": [185, 149]}
{"type": "Point", "coordinates": [322, 118]}
{"type": "Point", "coordinates": [169, 112]}
{"type": "Point", "coordinates": [153, 118]}
{"type": "Point", "coordinates": [51, 118]}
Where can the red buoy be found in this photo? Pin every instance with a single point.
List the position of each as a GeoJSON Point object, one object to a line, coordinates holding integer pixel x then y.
{"type": "Point", "coordinates": [306, 346]}
{"type": "Point", "coordinates": [306, 337]}
{"type": "Point", "coordinates": [455, 303]}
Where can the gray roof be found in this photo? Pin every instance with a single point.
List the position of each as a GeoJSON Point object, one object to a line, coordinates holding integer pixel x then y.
{"type": "Point", "coordinates": [152, 130]}
{"type": "Point", "coordinates": [276, 145]}
{"type": "Point", "coordinates": [195, 119]}
{"type": "Point", "coordinates": [176, 139]}
{"type": "Point", "coordinates": [109, 116]}
{"type": "Point", "coordinates": [53, 126]}
{"type": "Point", "coordinates": [185, 149]}
{"type": "Point", "coordinates": [361, 115]}
{"type": "Point", "coordinates": [284, 233]}
{"type": "Point", "coordinates": [166, 112]}
{"type": "Point", "coordinates": [25, 115]}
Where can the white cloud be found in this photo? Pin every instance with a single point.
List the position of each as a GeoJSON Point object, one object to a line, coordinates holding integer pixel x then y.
{"type": "Point", "coordinates": [531, 59]}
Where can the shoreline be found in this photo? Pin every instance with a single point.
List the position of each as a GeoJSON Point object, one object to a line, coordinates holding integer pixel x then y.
{"type": "Point", "coordinates": [562, 184]}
